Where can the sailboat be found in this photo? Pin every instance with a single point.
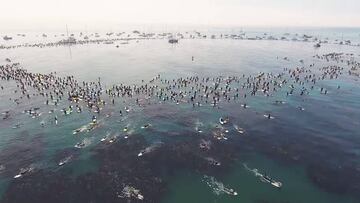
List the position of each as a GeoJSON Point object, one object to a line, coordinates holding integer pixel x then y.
{"type": "Point", "coordinates": [69, 40]}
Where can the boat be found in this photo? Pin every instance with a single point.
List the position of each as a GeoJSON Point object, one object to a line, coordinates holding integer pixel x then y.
{"type": "Point", "coordinates": [69, 40]}
{"type": "Point", "coordinates": [218, 187]}
{"type": "Point", "coordinates": [263, 177]}
{"type": "Point", "coordinates": [103, 139]}
{"type": "Point", "coordinates": [112, 140]}
{"type": "Point", "coordinates": [23, 171]}
{"type": "Point", "coordinates": [7, 37]}
{"type": "Point", "coordinates": [140, 197]}
{"type": "Point", "coordinates": [173, 41]}
{"type": "Point", "coordinates": [150, 148]}
{"type": "Point", "coordinates": [141, 153]}
{"type": "Point", "coordinates": [274, 183]}
{"type": "Point", "coordinates": [64, 161]}
{"type": "Point", "coordinates": [230, 191]}
{"type": "Point", "coordinates": [317, 45]}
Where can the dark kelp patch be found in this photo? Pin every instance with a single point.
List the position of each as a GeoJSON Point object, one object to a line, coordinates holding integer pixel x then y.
{"type": "Point", "coordinates": [21, 153]}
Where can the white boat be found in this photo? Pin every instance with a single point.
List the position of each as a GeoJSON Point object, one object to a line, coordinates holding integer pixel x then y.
{"type": "Point", "coordinates": [23, 171]}
{"type": "Point", "coordinates": [103, 139]}
{"type": "Point", "coordinates": [230, 191]}
{"type": "Point", "coordinates": [274, 183]}
{"type": "Point", "coordinates": [141, 153]}
{"type": "Point", "coordinates": [150, 149]}
{"type": "Point", "coordinates": [64, 161]}
{"type": "Point", "coordinates": [140, 197]}
{"type": "Point", "coordinates": [218, 187]}
{"type": "Point", "coordinates": [264, 178]}
{"type": "Point", "coordinates": [113, 139]}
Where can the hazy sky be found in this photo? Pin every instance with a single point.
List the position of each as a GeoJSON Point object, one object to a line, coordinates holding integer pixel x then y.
{"type": "Point", "coordinates": [57, 13]}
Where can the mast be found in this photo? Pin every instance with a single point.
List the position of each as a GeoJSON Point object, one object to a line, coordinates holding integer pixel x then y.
{"type": "Point", "coordinates": [67, 31]}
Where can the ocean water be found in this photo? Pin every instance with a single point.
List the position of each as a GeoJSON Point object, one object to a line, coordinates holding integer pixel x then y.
{"type": "Point", "coordinates": [314, 153]}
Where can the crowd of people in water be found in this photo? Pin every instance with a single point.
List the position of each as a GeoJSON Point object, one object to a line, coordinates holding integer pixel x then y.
{"type": "Point", "coordinates": [194, 90]}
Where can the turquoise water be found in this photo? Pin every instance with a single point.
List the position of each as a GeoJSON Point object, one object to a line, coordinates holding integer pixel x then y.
{"type": "Point", "coordinates": [314, 153]}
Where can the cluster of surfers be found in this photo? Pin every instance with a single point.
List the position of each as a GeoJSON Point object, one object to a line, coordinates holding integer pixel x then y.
{"type": "Point", "coordinates": [343, 58]}
{"type": "Point", "coordinates": [196, 91]}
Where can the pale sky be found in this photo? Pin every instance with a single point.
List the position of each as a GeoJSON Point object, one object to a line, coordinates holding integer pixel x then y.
{"type": "Point", "coordinates": [57, 13]}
